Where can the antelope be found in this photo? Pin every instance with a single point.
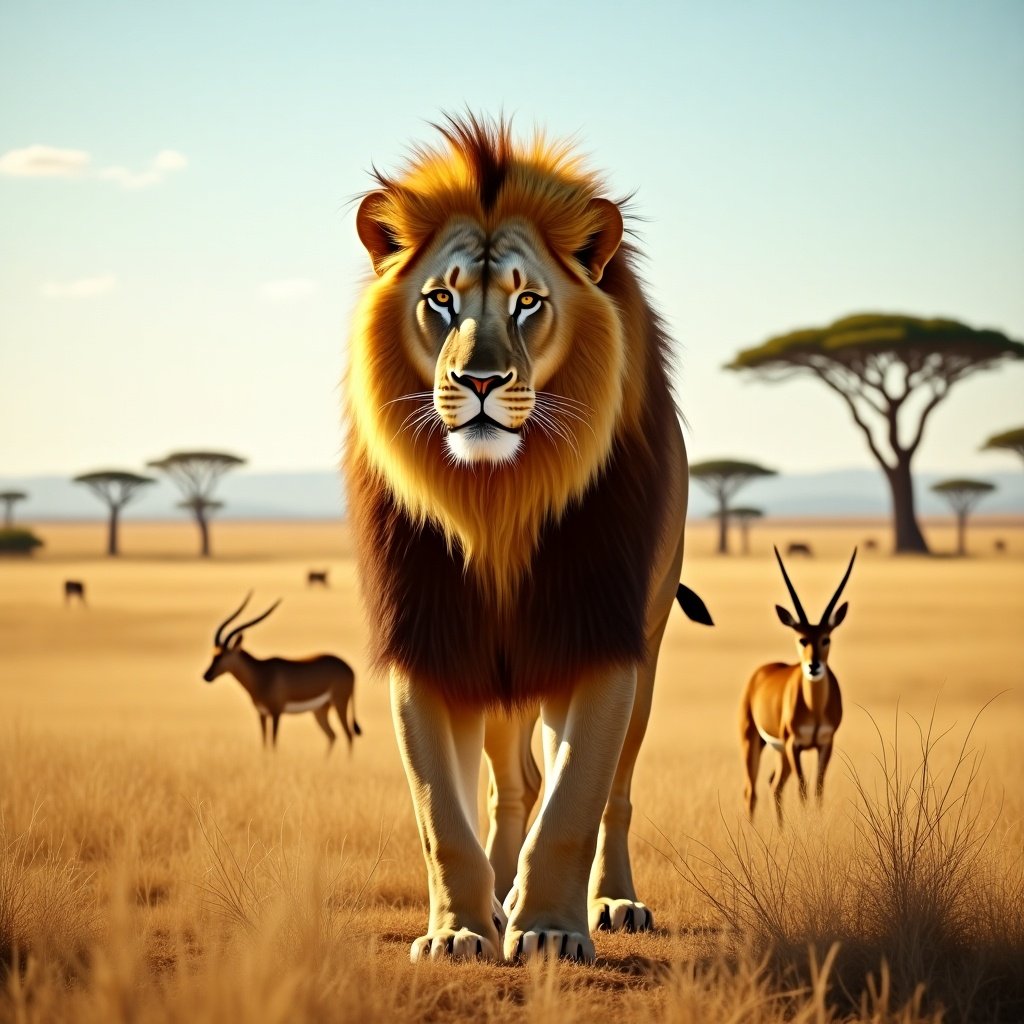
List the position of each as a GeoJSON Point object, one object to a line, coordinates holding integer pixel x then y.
{"type": "Point", "coordinates": [74, 588]}
{"type": "Point", "coordinates": [799, 548]}
{"type": "Point", "coordinates": [794, 708]}
{"type": "Point", "coordinates": [280, 686]}
{"type": "Point", "coordinates": [317, 577]}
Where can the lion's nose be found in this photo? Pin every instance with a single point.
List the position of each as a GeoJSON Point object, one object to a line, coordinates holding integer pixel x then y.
{"type": "Point", "coordinates": [482, 384]}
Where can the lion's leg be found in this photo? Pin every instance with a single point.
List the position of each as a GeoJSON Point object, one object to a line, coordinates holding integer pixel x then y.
{"type": "Point", "coordinates": [512, 791]}
{"type": "Point", "coordinates": [441, 749]}
{"type": "Point", "coordinates": [613, 902]}
{"type": "Point", "coordinates": [583, 736]}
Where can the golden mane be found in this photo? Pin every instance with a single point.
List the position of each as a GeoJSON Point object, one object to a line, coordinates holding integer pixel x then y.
{"type": "Point", "coordinates": [493, 516]}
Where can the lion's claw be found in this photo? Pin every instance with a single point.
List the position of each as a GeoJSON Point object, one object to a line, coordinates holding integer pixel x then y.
{"type": "Point", "coordinates": [459, 945]}
{"type": "Point", "coordinates": [620, 915]}
{"type": "Point", "coordinates": [550, 942]}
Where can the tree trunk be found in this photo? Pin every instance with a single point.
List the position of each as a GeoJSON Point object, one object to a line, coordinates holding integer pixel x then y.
{"type": "Point", "coordinates": [8, 514]}
{"type": "Point", "coordinates": [115, 513]}
{"type": "Point", "coordinates": [745, 533]}
{"type": "Point", "coordinates": [961, 533]}
{"type": "Point", "coordinates": [723, 524]}
{"type": "Point", "coordinates": [204, 535]}
{"type": "Point", "coordinates": [909, 539]}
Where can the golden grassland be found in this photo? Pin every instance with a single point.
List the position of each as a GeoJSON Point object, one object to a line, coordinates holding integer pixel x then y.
{"type": "Point", "coordinates": [156, 864]}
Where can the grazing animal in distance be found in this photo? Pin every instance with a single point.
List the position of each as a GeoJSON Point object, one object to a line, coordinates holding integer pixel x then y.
{"type": "Point", "coordinates": [1000, 545]}
{"type": "Point", "coordinates": [799, 548]}
{"type": "Point", "coordinates": [282, 686]}
{"type": "Point", "coordinates": [517, 483]}
{"type": "Point", "coordinates": [72, 589]}
{"type": "Point", "coordinates": [317, 578]}
{"type": "Point", "coordinates": [793, 708]}
{"type": "Point", "coordinates": [871, 544]}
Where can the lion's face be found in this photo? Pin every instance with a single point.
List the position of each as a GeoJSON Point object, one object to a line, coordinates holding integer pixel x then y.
{"type": "Point", "coordinates": [487, 330]}
{"type": "Point", "coordinates": [491, 340]}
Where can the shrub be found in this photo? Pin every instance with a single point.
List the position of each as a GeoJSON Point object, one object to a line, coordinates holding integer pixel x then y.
{"type": "Point", "coordinates": [16, 540]}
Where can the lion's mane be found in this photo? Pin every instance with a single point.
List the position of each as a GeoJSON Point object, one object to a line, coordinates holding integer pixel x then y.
{"type": "Point", "coordinates": [499, 584]}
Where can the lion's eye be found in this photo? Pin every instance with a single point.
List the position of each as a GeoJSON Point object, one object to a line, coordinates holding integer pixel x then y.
{"type": "Point", "coordinates": [526, 303]}
{"type": "Point", "coordinates": [442, 301]}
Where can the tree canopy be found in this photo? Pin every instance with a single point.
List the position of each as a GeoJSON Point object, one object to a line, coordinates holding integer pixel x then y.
{"type": "Point", "coordinates": [959, 492]}
{"type": "Point", "coordinates": [745, 512]}
{"type": "Point", "coordinates": [1008, 440]}
{"type": "Point", "coordinates": [196, 473]}
{"type": "Point", "coordinates": [891, 371]}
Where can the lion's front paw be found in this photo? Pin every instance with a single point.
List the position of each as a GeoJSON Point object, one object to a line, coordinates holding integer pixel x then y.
{"type": "Point", "coordinates": [548, 942]}
{"type": "Point", "coordinates": [620, 915]}
{"type": "Point", "coordinates": [459, 945]}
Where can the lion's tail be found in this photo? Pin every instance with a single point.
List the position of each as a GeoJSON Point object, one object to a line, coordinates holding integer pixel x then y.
{"type": "Point", "coordinates": [693, 606]}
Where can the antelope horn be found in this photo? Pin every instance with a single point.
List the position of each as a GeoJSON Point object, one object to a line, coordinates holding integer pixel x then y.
{"type": "Point", "coordinates": [252, 622]}
{"type": "Point", "coordinates": [835, 596]}
{"type": "Point", "coordinates": [234, 615]}
{"type": "Point", "coordinates": [792, 590]}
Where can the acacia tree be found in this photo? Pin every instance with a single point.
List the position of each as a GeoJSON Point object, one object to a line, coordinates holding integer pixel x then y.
{"type": "Point", "coordinates": [10, 499]}
{"type": "Point", "coordinates": [196, 474]}
{"type": "Point", "coordinates": [891, 372]}
{"type": "Point", "coordinates": [722, 478]}
{"type": "Point", "coordinates": [962, 496]}
{"type": "Point", "coordinates": [116, 488]}
{"type": "Point", "coordinates": [1009, 440]}
{"type": "Point", "coordinates": [745, 515]}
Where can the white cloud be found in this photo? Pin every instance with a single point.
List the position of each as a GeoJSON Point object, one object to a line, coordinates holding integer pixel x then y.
{"type": "Point", "coordinates": [288, 289]}
{"type": "Point", "coordinates": [83, 288]}
{"type": "Point", "coordinates": [167, 161]}
{"type": "Point", "coordinates": [170, 160]}
{"type": "Point", "coordinates": [44, 162]}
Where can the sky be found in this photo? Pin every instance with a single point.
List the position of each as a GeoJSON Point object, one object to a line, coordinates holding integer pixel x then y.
{"type": "Point", "coordinates": [178, 258]}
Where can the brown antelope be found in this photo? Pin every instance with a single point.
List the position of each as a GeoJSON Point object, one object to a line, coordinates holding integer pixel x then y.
{"type": "Point", "coordinates": [317, 577]}
{"type": "Point", "coordinates": [794, 708]}
{"type": "Point", "coordinates": [799, 548]}
{"type": "Point", "coordinates": [74, 588]}
{"type": "Point", "coordinates": [280, 686]}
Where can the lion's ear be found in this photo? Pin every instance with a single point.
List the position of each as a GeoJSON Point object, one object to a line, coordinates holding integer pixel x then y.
{"type": "Point", "coordinates": [374, 232]}
{"type": "Point", "coordinates": [603, 243]}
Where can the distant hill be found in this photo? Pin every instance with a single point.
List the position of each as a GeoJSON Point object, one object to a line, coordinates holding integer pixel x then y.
{"type": "Point", "coordinates": [319, 495]}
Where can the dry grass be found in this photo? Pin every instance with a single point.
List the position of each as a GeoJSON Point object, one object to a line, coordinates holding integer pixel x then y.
{"type": "Point", "coordinates": [155, 865]}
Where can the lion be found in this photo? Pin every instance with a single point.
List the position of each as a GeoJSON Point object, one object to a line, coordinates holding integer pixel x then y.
{"type": "Point", "coordinates": [517, 481]}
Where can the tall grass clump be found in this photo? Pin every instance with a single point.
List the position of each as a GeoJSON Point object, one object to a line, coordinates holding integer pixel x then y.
{"type": "Point", "coordinates": [44, 905]}
{"type": "Point", "coordinates": [907, 883]}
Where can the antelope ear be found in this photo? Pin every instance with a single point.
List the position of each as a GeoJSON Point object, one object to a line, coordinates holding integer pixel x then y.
{"type": "Point", "coordinates": [237, 642]}
{"type": "Point", "coordinates": [604, 242]}
{"type": "Point", "coordinates": [785, 617]}
{"type": "Point", "coordinates": [374, 232]}
{"type": "Point", "coordinates": [839, 614]}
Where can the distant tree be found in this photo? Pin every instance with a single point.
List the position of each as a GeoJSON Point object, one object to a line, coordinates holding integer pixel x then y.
{"type": "Point", "coordinates": [745, 516]}
{"type": "Point", "coordinates": [883, 365]}
{"type": "Point", "coordinates": [115, 488]}
{"type": "Point", "coordinates": [722, 478]}
{"type": "Point", "coordinates": [962, 496]}
{"type": "Point", "coordinates": [196, 474]}
{"type": "Point", "coordinates": [1009, 440]}
{"type": "Point", "coordinates": [10, 499]}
